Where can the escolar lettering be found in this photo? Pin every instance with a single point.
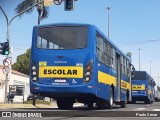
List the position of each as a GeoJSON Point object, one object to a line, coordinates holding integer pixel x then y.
{"type": "Point", "coordinates": [63, 72]}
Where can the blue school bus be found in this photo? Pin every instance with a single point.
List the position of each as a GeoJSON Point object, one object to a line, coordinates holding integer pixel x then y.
{"type": "Point", "coordinates": [142, 87]}
{"type": "Point", "coordinates": [78, 63]}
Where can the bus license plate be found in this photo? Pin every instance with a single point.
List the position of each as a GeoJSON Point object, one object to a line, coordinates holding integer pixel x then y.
{"type": "Point", "coordinates": [60, 80]}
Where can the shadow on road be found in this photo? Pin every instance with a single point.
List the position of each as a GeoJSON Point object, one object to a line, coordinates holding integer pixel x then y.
{"type": "Point", "coordinates": [82, 108]}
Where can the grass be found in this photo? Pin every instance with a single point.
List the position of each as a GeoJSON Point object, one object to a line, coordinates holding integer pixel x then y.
{"type": "Point", "coordinates": [37, 102]}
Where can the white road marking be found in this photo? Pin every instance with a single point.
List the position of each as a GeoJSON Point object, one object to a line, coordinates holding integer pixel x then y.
{"type": "Point", "coordinates": [139, 108]}
{"type": "Point", "coordinates": [156, 110]}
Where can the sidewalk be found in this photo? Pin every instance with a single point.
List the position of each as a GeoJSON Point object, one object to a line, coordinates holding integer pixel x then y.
{"type": "Point", "coordinates": [20, 105]}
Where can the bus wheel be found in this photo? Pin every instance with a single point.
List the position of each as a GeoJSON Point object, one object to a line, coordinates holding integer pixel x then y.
{"type": "Point", "coordinates": [110, 102]}
{"type": "Point", "coordinates": [65, 103]}
{"type": "Point", "coordinates": [123, 103]}
{"type": "Point", "coordinates": [90, 105]}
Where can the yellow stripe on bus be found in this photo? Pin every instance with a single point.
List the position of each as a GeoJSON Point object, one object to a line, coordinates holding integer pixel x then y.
{"type": "Point", "coordinates": [106, 78]}
{"type": "Point", "coordinates": [61, 72]}
{"type": "Point", "coordinates": [125, 85]}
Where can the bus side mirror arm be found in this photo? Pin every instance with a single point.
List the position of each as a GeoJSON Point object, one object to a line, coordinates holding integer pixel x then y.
{"type": "Point", "coordinates": [133, 70]}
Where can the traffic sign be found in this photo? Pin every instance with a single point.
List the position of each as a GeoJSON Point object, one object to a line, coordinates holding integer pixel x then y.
{"type": "Point", "coordinates": [5, 70]}
{"type": "Point", "coordinates": [7, 62]}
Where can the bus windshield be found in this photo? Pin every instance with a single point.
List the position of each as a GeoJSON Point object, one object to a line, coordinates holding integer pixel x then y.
{"type": "Point", "coordinates": [139, 75]}
{"type": "Point", "coordinates": [62, 37]}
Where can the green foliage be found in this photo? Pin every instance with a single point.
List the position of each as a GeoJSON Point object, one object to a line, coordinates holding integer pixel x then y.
{"type": "Point", "coordinates": [23, 63]}
{"type": "Point", "coordinates": [43, 11]}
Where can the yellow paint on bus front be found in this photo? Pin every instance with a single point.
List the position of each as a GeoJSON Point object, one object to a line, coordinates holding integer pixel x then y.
{"type": "Point", "coordinates": [106, 78]}
{"type": "Point", "coordinates": [61, 72]}
{"type": "Point", "coordinates": [138, 87]}
{"type": "Point", "coordinates": [42, 63]}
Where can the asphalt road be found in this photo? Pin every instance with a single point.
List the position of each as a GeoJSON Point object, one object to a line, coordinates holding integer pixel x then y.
{"type": "Point", "coordinates": [80, 112]}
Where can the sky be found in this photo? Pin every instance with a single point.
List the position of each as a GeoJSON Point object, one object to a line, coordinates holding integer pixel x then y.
{"type": "Point", "coordinates": [134, 25]}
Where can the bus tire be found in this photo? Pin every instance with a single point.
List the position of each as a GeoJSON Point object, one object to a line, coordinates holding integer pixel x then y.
{"type": "Point", "coordinates": [110, 102]}
{"type": "Point", "coordinates": [64, 103]}
{"type": "Point", "coordinates": [123, 103]}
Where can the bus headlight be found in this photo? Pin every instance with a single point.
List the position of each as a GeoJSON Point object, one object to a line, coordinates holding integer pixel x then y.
{"type": "Point", "coordinates": [88, 71]}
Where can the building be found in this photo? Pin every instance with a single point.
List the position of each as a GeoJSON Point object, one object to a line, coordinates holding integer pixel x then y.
{"type": "Point", "coordinates": [16, 78]}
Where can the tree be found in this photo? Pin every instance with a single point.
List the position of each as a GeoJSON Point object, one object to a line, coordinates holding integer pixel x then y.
{"type": "Point", "coordinates": [43, 11]}
{"type": "Point", "coordinates": [23, 63]}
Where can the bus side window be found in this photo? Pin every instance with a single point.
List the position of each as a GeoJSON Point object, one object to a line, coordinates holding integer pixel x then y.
{"type": "Point", "coordinates": [128, 69]}
{"type": "Point", "coordinates": [122, 70]}
{"type": "Point", "coordinates": [114, 58]}
{"type": "Point", "coordinates": [100, 48]}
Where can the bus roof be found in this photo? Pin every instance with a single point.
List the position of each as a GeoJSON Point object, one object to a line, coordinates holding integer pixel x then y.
{"type": "Point", "coordinates": [83, 24]}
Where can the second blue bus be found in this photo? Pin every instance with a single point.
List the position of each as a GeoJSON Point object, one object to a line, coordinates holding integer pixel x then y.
{"type": "Point", "coordinates": [142, 87]}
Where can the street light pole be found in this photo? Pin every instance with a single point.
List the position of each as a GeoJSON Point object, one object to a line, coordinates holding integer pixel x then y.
{"type": "Point", "coordinates": [8, 40]}
{"type": "Point", "coordinates": [108, 8]}
{"type": "Point", "coordinates": [139, 60]}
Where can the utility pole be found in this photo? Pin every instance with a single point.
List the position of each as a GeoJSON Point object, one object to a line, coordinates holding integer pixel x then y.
{"type": "Point", "coordinates": [8, 40]}
{"type": "Point", "coordinates": [109, 8]}
{"type": "Point", "coordinates": [139, 60]}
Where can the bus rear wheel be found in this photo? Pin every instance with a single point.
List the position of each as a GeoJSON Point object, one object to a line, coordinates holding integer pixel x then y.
{"type": "Point", "coordinates": [65, 103]}
{"type": "Point", "coordinates": [110, 102]}
{"type": "Point", "coordinates": [123, 103]}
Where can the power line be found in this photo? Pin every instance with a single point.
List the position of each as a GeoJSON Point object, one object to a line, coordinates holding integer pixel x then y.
{"type": "Point", "coordinates": [137, 42]}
